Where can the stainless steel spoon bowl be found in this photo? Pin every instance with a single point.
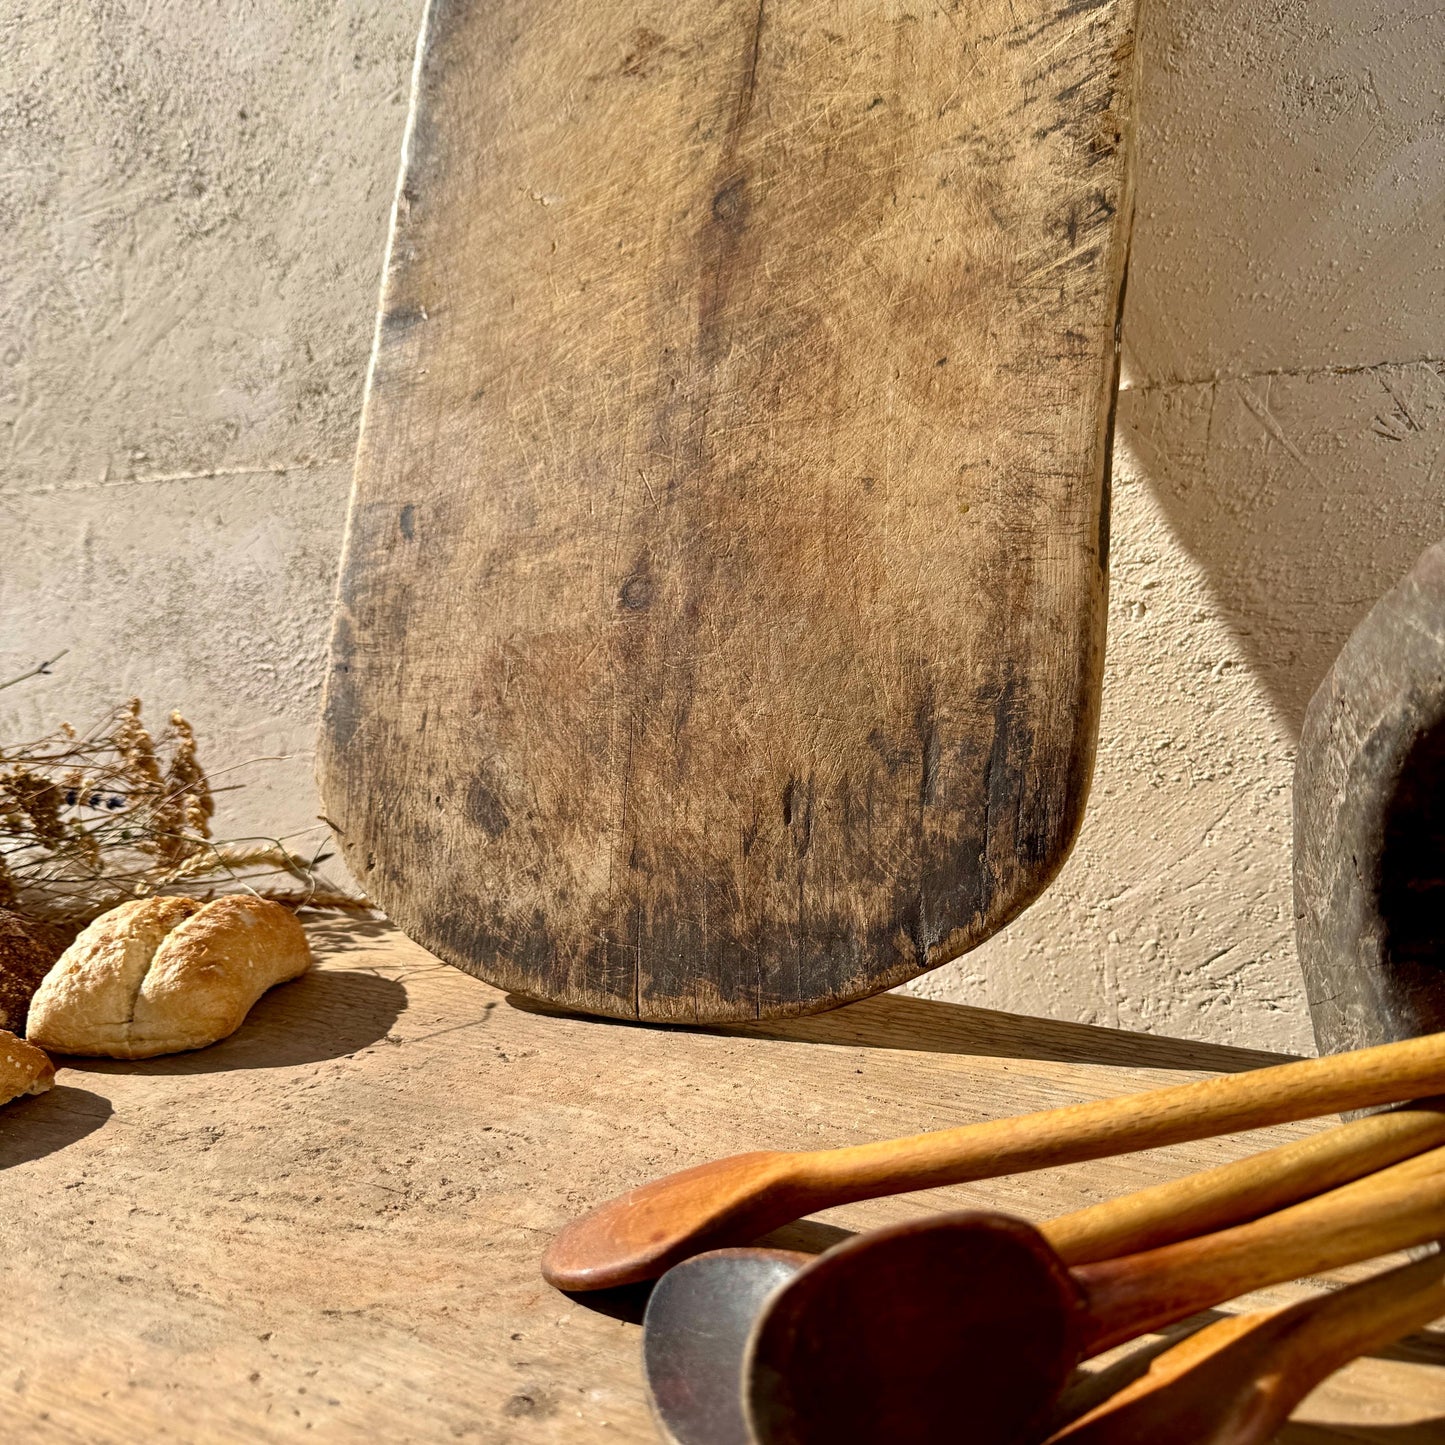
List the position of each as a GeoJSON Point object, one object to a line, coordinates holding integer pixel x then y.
{"type": "Point", "coordinates": [694, 1334]}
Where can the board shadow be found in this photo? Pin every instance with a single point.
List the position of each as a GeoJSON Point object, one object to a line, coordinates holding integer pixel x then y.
{"type": "Point", "coordinates": [1286, 405]}
{"type": "Point", "coordinates": [901, 1021]}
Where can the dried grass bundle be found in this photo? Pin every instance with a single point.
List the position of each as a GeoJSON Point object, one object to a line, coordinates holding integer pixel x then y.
{"type": "Point", "coordinates": [89, 820]}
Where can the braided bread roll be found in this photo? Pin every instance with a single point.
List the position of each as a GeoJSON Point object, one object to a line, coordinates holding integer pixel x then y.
{"type": "Point", "coordinates": [161, 975]}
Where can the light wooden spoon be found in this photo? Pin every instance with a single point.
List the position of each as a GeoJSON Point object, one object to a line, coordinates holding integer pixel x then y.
{"type": "Point", "coordinates": [1236, 1382]}
{"type": "Point", "coordinates": [731, 1201]}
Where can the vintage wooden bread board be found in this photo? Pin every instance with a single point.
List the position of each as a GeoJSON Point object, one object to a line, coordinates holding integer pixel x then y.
{"type": "Point", "coordinates": [723, 600]}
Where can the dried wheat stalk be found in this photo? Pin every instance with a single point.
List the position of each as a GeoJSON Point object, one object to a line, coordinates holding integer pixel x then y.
{"type": "Point", "coordinates": [90, 820]}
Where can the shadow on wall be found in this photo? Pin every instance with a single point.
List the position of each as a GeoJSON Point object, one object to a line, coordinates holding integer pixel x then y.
{"type": "Point", "coordinates": [1284, 311]}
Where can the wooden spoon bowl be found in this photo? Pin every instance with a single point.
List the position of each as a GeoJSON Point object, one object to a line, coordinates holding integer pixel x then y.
{"type": "Point", "coordinates": [868, 1343]}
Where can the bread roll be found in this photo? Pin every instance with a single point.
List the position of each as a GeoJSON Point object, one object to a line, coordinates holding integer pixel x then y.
{"type": "Point", "coordinates": [166, 974]}
{"type": "Point", "coordinates": [24, 1069]}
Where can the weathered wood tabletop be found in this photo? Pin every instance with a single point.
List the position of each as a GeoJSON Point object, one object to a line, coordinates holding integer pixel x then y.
{"type": "Point", "coordinates": [328, 1226]}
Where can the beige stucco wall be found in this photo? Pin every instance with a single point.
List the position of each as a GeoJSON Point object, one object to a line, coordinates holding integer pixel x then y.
{"type": "Point", "coordinates": [196, 202]}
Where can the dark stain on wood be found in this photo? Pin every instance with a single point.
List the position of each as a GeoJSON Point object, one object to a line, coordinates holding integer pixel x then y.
{"type": "Point", "coordinates": [485, 809]}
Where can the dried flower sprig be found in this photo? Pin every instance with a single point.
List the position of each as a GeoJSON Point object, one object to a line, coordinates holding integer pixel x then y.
{"type": "Point", "coordinates": [90, 820]}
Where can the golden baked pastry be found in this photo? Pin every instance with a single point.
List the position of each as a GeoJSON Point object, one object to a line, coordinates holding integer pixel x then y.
{"type": "Point", "coordinates": [165, 974]}
{"type": "Point", "coordinates": [24, 1069]}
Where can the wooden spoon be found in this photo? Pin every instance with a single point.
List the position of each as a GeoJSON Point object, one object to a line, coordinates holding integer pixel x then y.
{"type": "Point", "coordinates": [1236, 1382]}
{"type": "Point", "coordinates": [730, 1201]}
{"type": "Point", "coordinates": [971, 1323]}
{"type": "Point", "coordinates": [1245, 1188]}
{"type": "Point", "coordinates": [702, 1311]}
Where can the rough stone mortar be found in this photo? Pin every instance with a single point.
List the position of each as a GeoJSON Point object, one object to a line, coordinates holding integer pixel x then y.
{"type": "Point", "coordinates": [196, 203]}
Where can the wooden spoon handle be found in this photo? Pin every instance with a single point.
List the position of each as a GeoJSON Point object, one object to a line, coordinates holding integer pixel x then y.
{"type": "Point", "coordinates": [1325, 1335]}
{"type": "Point", "coordinates": [1247, 1188]}
{"type": "Point", "coordinates": [729, 1201]}
{"type": "Point", "coordinates": [1387, 1074]}
{"type": "Point", "coordinates": [1236, 1381]}
{"type": "Point", "coordinates": [1401, 1206]}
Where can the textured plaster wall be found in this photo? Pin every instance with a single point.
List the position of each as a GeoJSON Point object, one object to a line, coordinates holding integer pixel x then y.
{"type": "Point", "coordinates": [195, 201]}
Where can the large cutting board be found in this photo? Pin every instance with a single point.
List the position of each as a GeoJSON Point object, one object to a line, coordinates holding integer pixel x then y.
{"type": "Point", "coordinates": [723, 600]}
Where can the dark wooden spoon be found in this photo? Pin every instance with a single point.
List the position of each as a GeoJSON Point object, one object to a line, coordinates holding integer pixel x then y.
{"type": "Point", "coordinates": [968, 1325]}
{"type": "Point", "coordinates": [731, 1201]}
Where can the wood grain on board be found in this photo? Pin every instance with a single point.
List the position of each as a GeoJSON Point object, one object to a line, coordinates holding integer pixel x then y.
{"type": "Point", "coordinates": [328, 1226]}
{"type": "Point", "coordinates": [723, 602]}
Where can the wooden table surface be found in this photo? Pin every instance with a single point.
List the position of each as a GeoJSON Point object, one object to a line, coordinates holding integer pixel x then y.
{"type": "Point", "coordinates": [328, 1226]}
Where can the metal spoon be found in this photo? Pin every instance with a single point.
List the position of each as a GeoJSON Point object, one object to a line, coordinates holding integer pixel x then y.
{"type": "Point", "coordinates": [693, 1335]}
